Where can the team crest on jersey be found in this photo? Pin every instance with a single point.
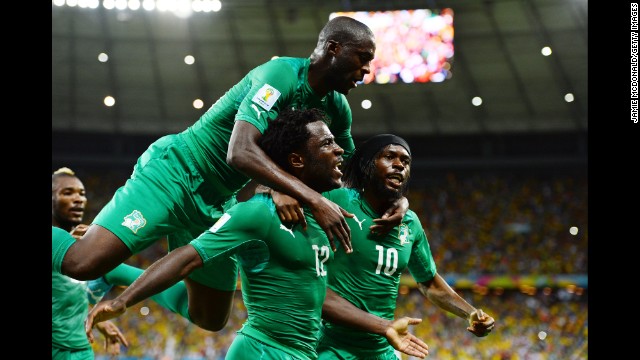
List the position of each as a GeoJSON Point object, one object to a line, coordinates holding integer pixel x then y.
{"type": "Point", "coordinates": [403, 234]}
{"type": "Point", "coordinates": [266, 96]}
{"type": "Point", "coordinates": [134, 221]}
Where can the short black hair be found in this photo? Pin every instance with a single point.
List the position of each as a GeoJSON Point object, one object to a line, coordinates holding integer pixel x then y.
{"type": "Point", "coordinates": [288, 133]}
{"type": "Point", "coordinates": [345, 30]}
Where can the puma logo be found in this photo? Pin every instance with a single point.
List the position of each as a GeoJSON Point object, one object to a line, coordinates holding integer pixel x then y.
{"type": "Point", "coordinates": [358, 221]}
{"type": "Point", "coordinates": [290, 231]}
{"type": "Point", "coordinates": [256, 109]}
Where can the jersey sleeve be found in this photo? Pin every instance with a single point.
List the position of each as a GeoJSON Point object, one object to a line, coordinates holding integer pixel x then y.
{"type": "Point", "coordinates": [421, 264]}
{"type": "Point", "coordinates": [271, 86]}
{"type": "Point", "coordinates": [61, 241]}
{"type": "Point", "coordinates": [244, 226]}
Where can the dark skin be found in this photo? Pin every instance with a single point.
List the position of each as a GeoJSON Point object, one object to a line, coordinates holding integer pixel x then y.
{"type": "Point", "coordinates": [393, 168]}
{"type": "Point", "coordinates": [181, 262]}
{"type": "Point", "coordinates": [334, 66]}
{"type": "Point", "coordinates": [340, 311]}
{"type": "Point", "coordinates": [392, 171]}
{"type": "Point", "coordinates": [68, 200]}
{"type": "Point", "coordinates": [178, 264]}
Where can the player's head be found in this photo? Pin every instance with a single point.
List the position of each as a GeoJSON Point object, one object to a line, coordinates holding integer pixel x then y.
{"type": "Point", "coordinates": [68, 199]}
{"type": "Point", "coordinates": [382, 165]}
{"type": "Point", "coordinates": [346, 47]}
{"type": "Point", "coordinates": [300, 142]}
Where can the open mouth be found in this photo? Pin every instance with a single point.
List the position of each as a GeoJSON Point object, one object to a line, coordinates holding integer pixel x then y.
{"type": "Point", "coordinates": [395, 179]}
{"type": "Point", "coordinates": [338, 168]}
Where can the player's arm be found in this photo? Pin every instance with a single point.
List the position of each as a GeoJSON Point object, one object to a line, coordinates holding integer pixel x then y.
{"type": "Point", "coordinates": [340, 311]}
{"type": "Point", "coordinates": [163, 273]}
{"type": "Point", "coordinates": [442, 295]}
{"type": "Point", "coordinates": [245, 155]}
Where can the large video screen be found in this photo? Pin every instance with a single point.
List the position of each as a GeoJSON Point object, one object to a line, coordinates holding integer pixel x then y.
{"type": "Point", "coordinates": [412, 46]}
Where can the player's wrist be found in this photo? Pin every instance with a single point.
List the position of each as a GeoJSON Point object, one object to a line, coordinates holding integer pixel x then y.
{"type": "Point", "coordinates": [387, 328]}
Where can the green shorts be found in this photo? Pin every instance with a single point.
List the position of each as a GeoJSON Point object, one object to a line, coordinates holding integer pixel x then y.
{"type": "Point", "coordinates": [167, 196]}
{"type": "Point", "coordinates": [247, 348]}
{"type": "Point", "coordinates": [66, 354]}
{"type": "Point", "coordinates": [328, 349]}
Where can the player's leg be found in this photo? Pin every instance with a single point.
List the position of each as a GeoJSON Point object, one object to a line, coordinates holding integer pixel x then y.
{"type": "Point", "coordinates": [209, 308]}
{"type": "Point", "coordinates": [210, 291]}
{"type": "Point", "coordinates": [96, 253]}
{"type": "Point", "coordinates": [142, 211]}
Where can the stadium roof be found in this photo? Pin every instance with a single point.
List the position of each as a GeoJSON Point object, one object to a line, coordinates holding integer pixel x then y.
{"type": "Point", "coordinates": [497, 57]}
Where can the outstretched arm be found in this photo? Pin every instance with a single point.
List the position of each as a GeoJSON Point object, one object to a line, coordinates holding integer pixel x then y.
{"type": "Point", "coordinates": [245, 155]}
{"type": "Point", "coordinates": [163, 273]}
{"type": "Point", "coordinates": [340, 311]}
{"type": "Point", "coordinates": [441, 294]}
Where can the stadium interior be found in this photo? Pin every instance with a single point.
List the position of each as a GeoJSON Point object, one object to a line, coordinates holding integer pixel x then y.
{"type": "Point", "coordinates": [499, 145]}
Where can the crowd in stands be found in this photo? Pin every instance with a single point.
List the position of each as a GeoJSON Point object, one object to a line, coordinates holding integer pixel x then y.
{"type": "Point", "coordinates": [505, 224]}
{"type": "Point", "coordinates": [551, 324]}
{"type": "Point", "coordinates": [476, 224]}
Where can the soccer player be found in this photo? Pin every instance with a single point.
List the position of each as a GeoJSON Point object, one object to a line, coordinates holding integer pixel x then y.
{"type": "Point", "coordinates": [69, 297]}
{"type": "Point", "coordinates": [377, 175]}
{"type": "Point", "coordinates": [184, 182]}
{"type": "Point", "coordinates": [283, 266]}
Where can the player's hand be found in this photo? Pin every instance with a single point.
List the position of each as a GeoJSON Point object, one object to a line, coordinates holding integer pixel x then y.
{"type": "Point", "coordinates": [101, 312]}
{"type": "Point", "coordinates": [480, 324]}
{"type": "Point", "coordinates": [78, 231]}
{"type": "Point", "coordinates": [401, 339]}
{"type": "Point", "coordinates": [331, 219]}
{"type": "Point", "coordinates": [288, 208]}
{"type": "Point", "coordinates": [113, 337]}
{"type": "Point", "coordinates": [391, 218]}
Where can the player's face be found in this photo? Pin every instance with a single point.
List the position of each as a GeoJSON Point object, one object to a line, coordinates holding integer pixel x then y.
{"type": "Point", "coordinates": [323, 159]}
{"type": "Point", "coordinates": [351, 63]}
{"type": "Point", "coordinates": [393, 168]}
{"type": "Point", "coordinates": [68, 200]}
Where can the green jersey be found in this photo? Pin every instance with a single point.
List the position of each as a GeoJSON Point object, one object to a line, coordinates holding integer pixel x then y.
{"type": "Point", "coordinates": [283, 270]}
{"type": "Point", "coordinates": [69, 301]}
{"type": "Point", "coordinates": [258, 98]}
{"type": "Point", "coordinates": [370, 276]}
{"type": "Point", "coordinates": [182, 183]}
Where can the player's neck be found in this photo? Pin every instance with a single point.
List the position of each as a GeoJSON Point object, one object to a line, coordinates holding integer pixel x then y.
{"type": "Point", "coordinates": [378, 203]}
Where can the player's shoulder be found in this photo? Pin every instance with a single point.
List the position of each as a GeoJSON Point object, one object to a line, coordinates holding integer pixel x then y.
{"type": "Point", "coordinates": [412, 218]}
{"type": "Point", "coordinates": [259, 203]}
{"type": "Point", "coordinates": [282, 66]}
{"type": "Point", "coordinates": [338, 99]}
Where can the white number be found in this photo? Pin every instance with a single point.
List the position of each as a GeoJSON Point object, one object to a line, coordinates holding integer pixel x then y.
{"type": "Point", "coordinates": [392, 260]}
{"type": "Point", "coordinates": [324, 253]}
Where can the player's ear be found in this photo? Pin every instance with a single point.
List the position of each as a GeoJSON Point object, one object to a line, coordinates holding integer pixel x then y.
{"type": "Point", "coordinates": [296, 160]}
{"type": "Point", "coordinates": [332, 47]}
